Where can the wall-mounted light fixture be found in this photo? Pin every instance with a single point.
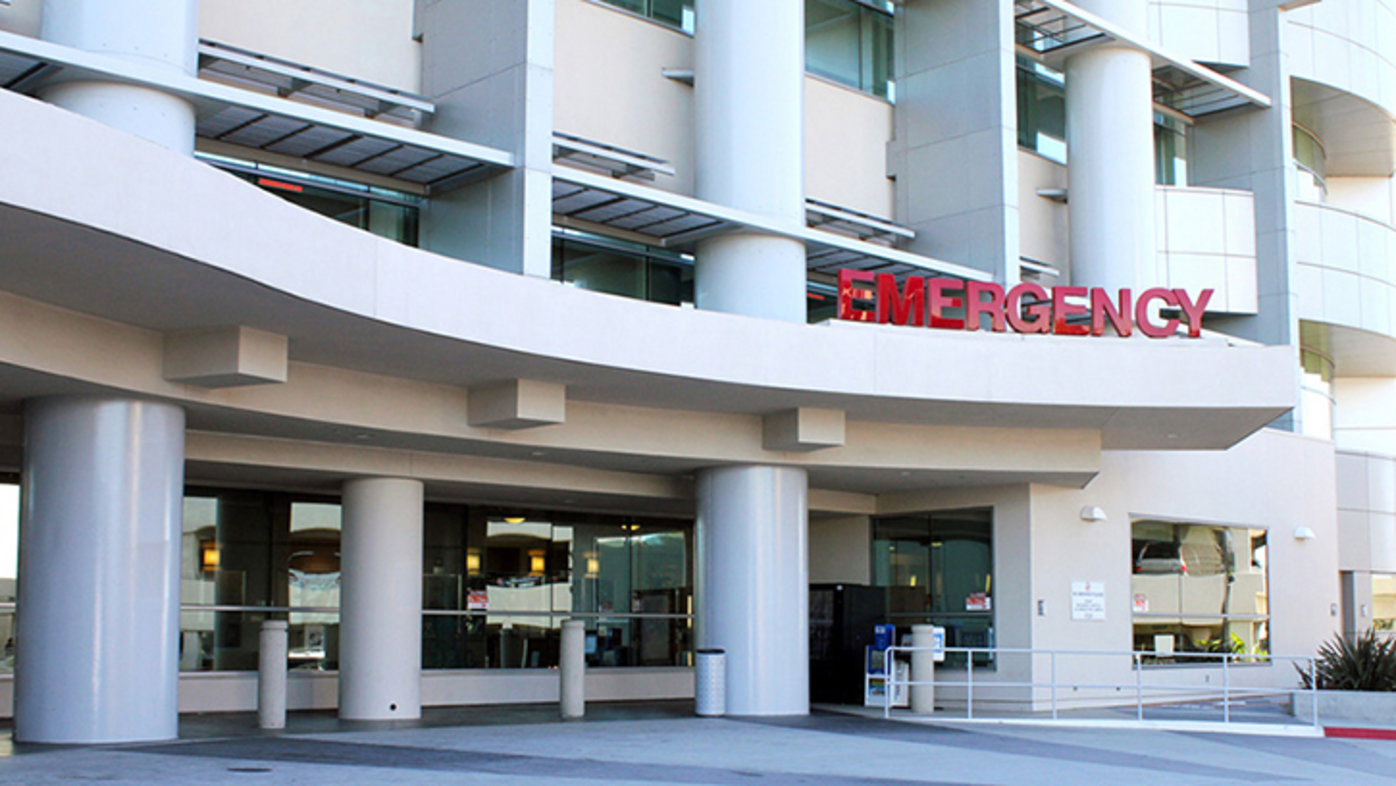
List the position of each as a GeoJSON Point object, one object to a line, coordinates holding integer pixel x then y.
{"type": "Point", "coordinates": [472, 561]}
{"type": "Point", "coordinates": [593, 566]}
{"type": "Point", "coordinates": [1092, 513]}
{"type": "Point", "coordinates": [536, 563]}
{"type": "Point", "coordinates": [1302, 532]}
{"type": "Point", "coordinates": [208, 555]}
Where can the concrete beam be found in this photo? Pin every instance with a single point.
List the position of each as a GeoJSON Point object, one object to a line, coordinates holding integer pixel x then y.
{"type": "Point", "coordinates": [225, 357]}
{"type": "Point", "coordinates": [803, 429]}
{"type": "Point", "coordinates": [518, 403]}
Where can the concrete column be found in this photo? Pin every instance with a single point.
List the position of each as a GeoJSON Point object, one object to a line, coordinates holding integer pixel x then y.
{"type": "Point", "coordinates": [160, 33]}
{"type": "Point", "coordinates": [572, 669]}
{"type": "Point", "coordinates": [749, 94]}
{"type": "Point", "coordinates": [753, 584]}
{"type": "Point", "coordinates": [380, 601]}
{"type": "Point", "coordinates": [271, 675]}
{"type": "Point", "coordinates": [1110, 156]}
{"type": "Point", "coordinates": [97, 634]}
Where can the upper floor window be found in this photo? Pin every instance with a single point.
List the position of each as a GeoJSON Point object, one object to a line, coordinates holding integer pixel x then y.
{"type": "Point", "coordinates": [848, 41]}
{"type": "Point", "coordinates": [1311, 159]}
{"type": "Point", "coordinates": [382, 211]}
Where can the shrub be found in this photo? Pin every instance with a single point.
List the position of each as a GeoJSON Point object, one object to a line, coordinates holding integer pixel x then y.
{"type": "Point", "coordinates": [1366, 664]}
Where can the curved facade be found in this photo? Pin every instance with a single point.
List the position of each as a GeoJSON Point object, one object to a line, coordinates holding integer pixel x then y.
{"type": "Point", "coordinates": [473, 330]}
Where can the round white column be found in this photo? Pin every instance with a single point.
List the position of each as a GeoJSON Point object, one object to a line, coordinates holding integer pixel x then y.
{"type": "Point", "coordinates": [160, 33]}
{"type": "Point", "coordinates": [380, 600]}
{"type": "Point", "coordinates": [1110, 157]}
{"type": "Point", "coordinates": [97, 633]}
{"type": "Point", "coordinates": [749, 98]}
{"type": "Point", "coordinates": [753, 584]}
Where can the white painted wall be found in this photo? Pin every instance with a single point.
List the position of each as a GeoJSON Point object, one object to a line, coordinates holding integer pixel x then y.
{"type": "Point", "coordinates": [1373, 197]}
{"type": "Point", "coordinates": [1209, 31]}
{"type": "Point", "coordinates": [1363, 417]}
{"type": "Point", "coordinates": [1206, 239]}
{"type": "Point", "coordinates": [1344, 272]}
{"type": "Point", "coordinates": [1345, 44]}
{"type": "Point", "coordinates": [364, 39]}
{"type": "Point", "coordinates": [21, 16]}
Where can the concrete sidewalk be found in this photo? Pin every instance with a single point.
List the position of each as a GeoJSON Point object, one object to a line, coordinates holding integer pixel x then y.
{"type": "Point", "coordinates": [659, 745]}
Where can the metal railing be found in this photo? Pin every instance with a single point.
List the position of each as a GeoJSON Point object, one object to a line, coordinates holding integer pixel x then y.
{"type": "Point", "coordinates": [1189, 691]}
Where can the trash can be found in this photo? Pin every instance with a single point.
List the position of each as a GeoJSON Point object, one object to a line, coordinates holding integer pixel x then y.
{"type": "Point", "coordinates": [710, 683]}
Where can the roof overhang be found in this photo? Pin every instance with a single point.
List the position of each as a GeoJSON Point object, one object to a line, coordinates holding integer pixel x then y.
{"type": "Point", "coordinates": [278, 107]}
{"type": "Point", "coordinates": [1055, 30]}
{"type": "Point", "coordinates": [649, 215]}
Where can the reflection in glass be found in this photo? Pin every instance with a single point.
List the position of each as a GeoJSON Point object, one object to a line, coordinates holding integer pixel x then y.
{"type": "Point", "coordinates": [1384, 602]}
{"type": "Point", "coordinates": [1199, 588]}
{"type": "Point", "coordinates": [1041, 109]}
{"type": "Point", "coordinates": [536, 570]}
{"type": "Point", "coordinates": [938, 568]}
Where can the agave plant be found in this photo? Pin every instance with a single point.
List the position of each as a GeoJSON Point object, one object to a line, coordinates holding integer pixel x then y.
{"type": "Point", "coordinates": [1369, 663]}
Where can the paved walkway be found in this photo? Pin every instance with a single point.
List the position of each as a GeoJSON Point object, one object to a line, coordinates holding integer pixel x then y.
{"type": "Point", "coordinates": [663, 745]}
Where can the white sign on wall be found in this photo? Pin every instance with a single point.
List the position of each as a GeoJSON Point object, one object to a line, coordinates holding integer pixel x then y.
{"type": "Point", "coordinates": [1088, 600]}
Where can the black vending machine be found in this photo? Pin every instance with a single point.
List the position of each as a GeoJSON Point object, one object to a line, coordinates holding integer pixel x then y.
{"type": "Point", "coordinates": [841, 620]}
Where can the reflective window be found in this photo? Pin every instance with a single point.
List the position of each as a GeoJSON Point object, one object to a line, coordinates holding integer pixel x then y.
{"type": "Point", "coordinates": [1041, 109]}
{"type": "Point", "coordinates": [9, 570]}
{"type": "Point", "coordinates": [938, 568]}
{"type": "Point", "coordinates": [513, 579]}
{"type": "Point", "coordinates": [675, 13]}
{"type": "Point", "coordinates": [849, 42]}
{"type": "Point", "coordinates": [1170, 151]}
{"type": "Point", "coordinates": [1384, 602]}
{"type": "Point", "coordinates": [616, 267]}
{"type": "Point", "coordinates": [1316, 394]}
{"type": "Point", "coordinates": [1198, 588]}
{"type": "Point", "coordinates": [384, 212]}
{"type": "Point", "coordinates": [253, 556]}
{"type": "Point", "coordinates": [1310, 160]}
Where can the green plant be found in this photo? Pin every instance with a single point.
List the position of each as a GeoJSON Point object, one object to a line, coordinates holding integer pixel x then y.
{"type": "Point", "coordinates": [1369, 663]}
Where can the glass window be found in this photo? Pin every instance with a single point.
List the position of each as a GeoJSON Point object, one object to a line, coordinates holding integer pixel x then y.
{"type": "Point", "coordinates": [1310, 160]}
{"type": "Point", "coordinates": [517, 576]}
{"type": "Point", "coordinates": [620, 268]}
{"type": "Point", "coordinates": [384, 212]}
{"type": "Point", "coordinates": [9, 570]}
{"type": "Point", "coordinates": [1170, 151]}
{"type": "Point", "coordinates": [1198, 588]}
{"type": "Point", "coordinates": [1384, 602]}
{"type": "Point", "coordinates": [245, 551]}
{"type": "Point", "coordinates": [849, 42]}
{"type": "Point", "coordinates": [675, 13]}
{"type": "Point", "coordinates": [938, 568]}
{"type": "Point", "coordinates": [1042, 110]}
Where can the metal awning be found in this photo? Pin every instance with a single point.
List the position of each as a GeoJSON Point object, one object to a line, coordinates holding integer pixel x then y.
{"type": "Point", "coordinates": [1053, 30]}
{"type": "Point", "coordinates": [609, 159]}
{"type": "Point", "coordinates": [266, 104]}
{"type": "Point", "coordinates": [644, 214]}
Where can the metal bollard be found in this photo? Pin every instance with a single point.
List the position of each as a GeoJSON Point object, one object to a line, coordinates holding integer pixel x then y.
{"type": "Point", "coordinates": [271, 675]}
{"type": "Point", "coordinates": [923, 669]}
{"type": "Point", "coordinates": [572, 665]}
{"type": "Point", "coordinates": [710, 683]}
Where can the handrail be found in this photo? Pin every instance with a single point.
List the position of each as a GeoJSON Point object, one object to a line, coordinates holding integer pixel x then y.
{"type": "Point", "coordinates": [193, 607]}
{"type": "Point", "coordinates": [1137, 663]}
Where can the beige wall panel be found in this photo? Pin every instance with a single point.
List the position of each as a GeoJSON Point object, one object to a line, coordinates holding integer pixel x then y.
{"type": "Point", "coordinates": [365, 39]}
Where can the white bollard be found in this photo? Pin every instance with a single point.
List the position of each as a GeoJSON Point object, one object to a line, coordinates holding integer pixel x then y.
{"type": "Point", "coordinates": [572, 669]}
{"type": "Point", "coordinates": [923, 669]}
{"type": "Point", "coordinates": [271, 675]}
